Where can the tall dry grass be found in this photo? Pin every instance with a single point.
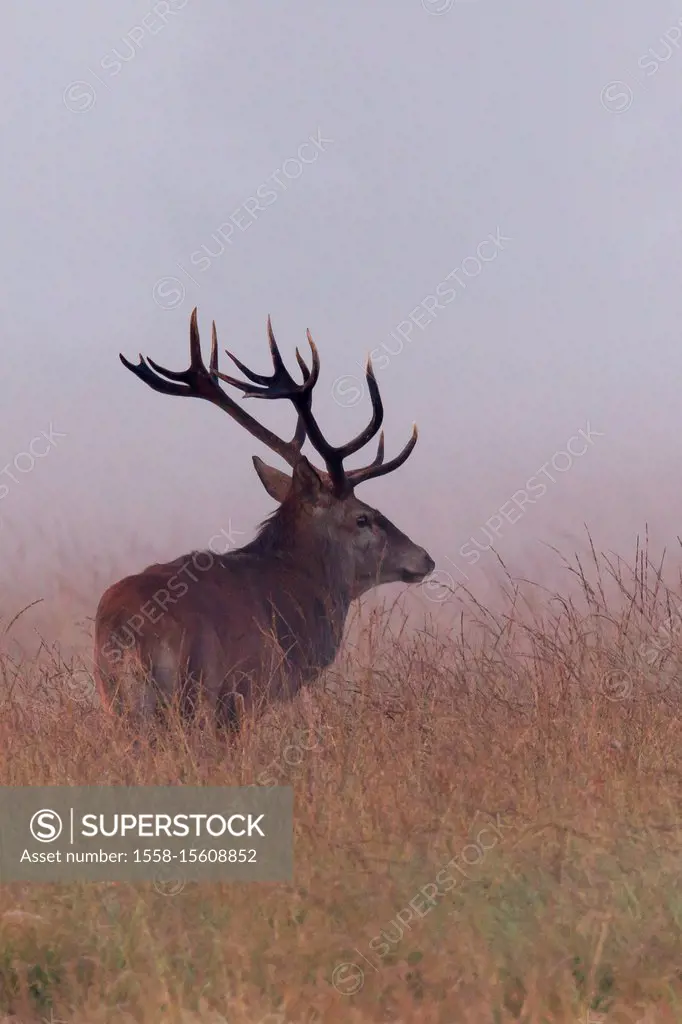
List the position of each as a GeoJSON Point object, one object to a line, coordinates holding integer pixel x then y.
{"type": "Point", "coordinates": [536, 750]}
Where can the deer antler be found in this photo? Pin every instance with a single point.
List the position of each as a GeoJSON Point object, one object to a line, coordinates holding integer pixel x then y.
{"type": "Point", "coordinates": [199, 382]}
{"type": "Point", "coordinates": [281, 385]}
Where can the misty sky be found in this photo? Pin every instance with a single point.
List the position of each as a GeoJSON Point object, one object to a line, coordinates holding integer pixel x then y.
{"type": "Point", "coordinates": [134, 132]}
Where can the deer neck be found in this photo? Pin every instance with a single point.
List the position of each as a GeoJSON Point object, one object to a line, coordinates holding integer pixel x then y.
{"type": "Point", "coordinates": [330, 569]}
{"type": "Point", "coordinates": [324, 568]}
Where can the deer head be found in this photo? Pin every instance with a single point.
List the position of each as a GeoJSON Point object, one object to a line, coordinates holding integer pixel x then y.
{"type": "Point", "coordinates": [320, 505]}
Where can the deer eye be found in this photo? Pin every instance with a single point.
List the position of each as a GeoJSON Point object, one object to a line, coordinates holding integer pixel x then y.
{"type": "Point", "coordinates": [362, 521]}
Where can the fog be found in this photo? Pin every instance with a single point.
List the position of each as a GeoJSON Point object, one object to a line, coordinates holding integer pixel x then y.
{"type": "Point", "coordinates": [483, 195]}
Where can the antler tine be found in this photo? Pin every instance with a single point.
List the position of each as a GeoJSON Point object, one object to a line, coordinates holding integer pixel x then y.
{"type": "Point", "coordinates": [304, 366]}
{"type": "Point", "coordinates": [378, 458]}
{"type": "Point", "coordinates": [282, 385]}
{"type": "Point", "coordinates": [260, 378]}
{"type": "Point", "coordinates": [315, 372]}
{"type": "Point", "coordinates": [198, 381]}
{"type": "Point", "coordinates": [316, 360]}
{"type": "Point", "coordinates": [143, 371]}
{"type": "Point", "coordinates": [279, 384]}
{"type": "Point", "coordinates": [379, 467]}
{"type": "Point", "coordinates": [257, 378]}
{"type": "Point", "coordinates": [213, 364]}
{"type": "Point", "coordinates": [196, 362]}
{"type": "Point", "coordinates": [277, 360]}
{"type": "Point", "coordinates": [377, 419]}
{"type": "Point", "coordinates": [300, 434]}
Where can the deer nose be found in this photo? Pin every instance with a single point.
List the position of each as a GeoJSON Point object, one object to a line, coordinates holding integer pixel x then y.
{"type": "Point", "coordinates": [429, 563]}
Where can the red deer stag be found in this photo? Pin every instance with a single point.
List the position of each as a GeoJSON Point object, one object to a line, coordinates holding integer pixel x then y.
{"type": "Point", "coordinates": [265, 619]}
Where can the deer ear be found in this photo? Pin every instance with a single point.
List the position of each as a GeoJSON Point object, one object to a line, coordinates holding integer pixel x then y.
{"type": "Point", "coordinates": [276, 483]}
{"type": "Point", "coordinates": [307, 484]}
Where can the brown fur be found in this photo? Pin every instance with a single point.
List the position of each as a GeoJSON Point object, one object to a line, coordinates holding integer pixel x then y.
{"type": "Point", "coordinates": [256, 624]}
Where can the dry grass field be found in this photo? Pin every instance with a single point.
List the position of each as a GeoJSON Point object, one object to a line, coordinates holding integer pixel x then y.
{"type": "Point", "coordinates": [487, 829]}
